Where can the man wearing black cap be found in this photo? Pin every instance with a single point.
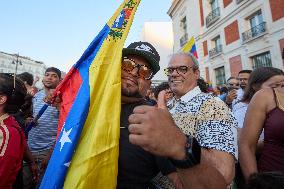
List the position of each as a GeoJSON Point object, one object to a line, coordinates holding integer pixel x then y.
{"type": "Point", "coordinates": [41, 138]}
{"type": "Point", "coordinates": [136, 167]}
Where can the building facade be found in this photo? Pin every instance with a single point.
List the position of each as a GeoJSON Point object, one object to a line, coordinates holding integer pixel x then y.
{"type": "Point", "coordinates": [230, 35]}
{"type": "Point", "coordinates": [8, 63]}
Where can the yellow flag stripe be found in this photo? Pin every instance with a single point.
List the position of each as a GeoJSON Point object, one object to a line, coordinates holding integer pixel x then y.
{"type": "Point", "coordinates": [94, 164]}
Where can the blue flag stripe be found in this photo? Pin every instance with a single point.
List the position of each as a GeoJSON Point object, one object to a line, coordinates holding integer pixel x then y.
{"type": "Point", "coordinates": [57, 168]}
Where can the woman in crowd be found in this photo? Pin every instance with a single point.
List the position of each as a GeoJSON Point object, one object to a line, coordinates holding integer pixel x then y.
{"type": "Point", "coordinates": [12, 142]}
{"type": "Point", "coordinates": [265, 112]}
{"type": "Point", "coordinates": [264, 77]}
{"type": "Point", "coordinates": [29, 82]}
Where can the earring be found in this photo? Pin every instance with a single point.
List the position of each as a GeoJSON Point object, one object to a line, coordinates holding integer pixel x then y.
{"type": "Point", "coordinates": [3, 99]}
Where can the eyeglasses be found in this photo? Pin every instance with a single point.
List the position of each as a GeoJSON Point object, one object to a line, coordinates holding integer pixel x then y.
{"type": "Point", "coordinates": [144, 71]}
{"type": "Point", "coordinates": [233, 84]}
{"type": "Point", "coordinates": [242, 79]}
{"type": "Point", "coordinates": [180, 70]}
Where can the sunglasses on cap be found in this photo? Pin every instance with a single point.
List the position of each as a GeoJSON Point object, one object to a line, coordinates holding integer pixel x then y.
{"type": "Point", "coordinates": [180, 70]}
{"type": "Point", "coordinates": [144, 71]}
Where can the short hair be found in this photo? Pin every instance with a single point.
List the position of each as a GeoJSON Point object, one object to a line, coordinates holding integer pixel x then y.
{"type": "Point", "coordinates": [231, 78]}
{"type": "Point", "coordinates": [55, 70]}
{"type": "Point", "coordinates": [195, 61]}
{"type": "Point", "coordinates": [203, 85]}
{"type": "Point", "coordinates": [159, 88]}
{"type": "Point", "coordinates": [193, 58]}
{"type": "Point", "coordinates": [26, 77]}
{"type": "Point", "coordinates": [223, 90]}
{"type": "Point", "coordinates": [245, 71]}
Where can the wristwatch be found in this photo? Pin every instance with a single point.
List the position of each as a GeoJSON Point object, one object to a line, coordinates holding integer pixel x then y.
{"type": "Point", "coordinates": [193, 153]}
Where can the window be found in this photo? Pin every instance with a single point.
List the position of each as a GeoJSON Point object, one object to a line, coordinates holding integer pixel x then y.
{"type": "Point", "coordinates": [214, 13]}
{"type": "Point", "coordinates": [256, 22]}
{"type": "Point", "coordinates": [217, 41]}
{"type": "Point", "coordinates": [184, 37]}
{"type": "Point", "coordinates": [261, 60]}
{"type": "Point", "coordinates": [257, 27]}
{"type": "Point", "coordinates": [183, 24]}
{"type": "Point", "coordinates": [214, 4]}
{"type": "Point", "coordinates": [256, 19]}
{"type": "Point", "coordinates": [217, 46]}
{"type": "Point", "coordinates": [220, 75]}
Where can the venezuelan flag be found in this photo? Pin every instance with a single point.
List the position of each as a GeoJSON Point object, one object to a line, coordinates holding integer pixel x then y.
{"type": "Point", "coordinates": [210, 87]}
{"type": "Point", "coordinates": [190, 47]}
{"type": "Point", "coordinates": [86, 152]}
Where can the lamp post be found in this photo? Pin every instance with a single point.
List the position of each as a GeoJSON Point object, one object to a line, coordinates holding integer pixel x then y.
{"type": "Point", "coordinates": [16, 62]}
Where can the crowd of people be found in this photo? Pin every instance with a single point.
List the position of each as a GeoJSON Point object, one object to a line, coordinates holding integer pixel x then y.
{"type": "Point", "coordinates": [177, 135]}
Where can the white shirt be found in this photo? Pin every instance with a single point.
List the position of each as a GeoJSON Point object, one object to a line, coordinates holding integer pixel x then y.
{"type": "Point", "coordinates": [239, 111]}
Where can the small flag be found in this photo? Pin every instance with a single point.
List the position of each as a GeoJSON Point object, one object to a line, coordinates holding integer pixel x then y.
{"type": "Point", "coordinates": [190, 47]}
{"type": "Point", "coordinates": [33, 123]}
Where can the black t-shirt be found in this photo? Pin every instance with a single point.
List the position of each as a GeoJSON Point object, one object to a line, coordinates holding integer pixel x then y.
{"type": "Point", "coordinates": [136, 167]}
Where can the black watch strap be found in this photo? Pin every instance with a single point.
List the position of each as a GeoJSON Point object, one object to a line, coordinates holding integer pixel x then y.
{"type": "Point", "coordinates": [193, 154]}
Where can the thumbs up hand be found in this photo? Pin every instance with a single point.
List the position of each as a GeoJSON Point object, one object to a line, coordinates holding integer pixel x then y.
{"type": "Point", "coordinates": [155, 131]}
{"type": "Point", "coordinates": [161, 102]}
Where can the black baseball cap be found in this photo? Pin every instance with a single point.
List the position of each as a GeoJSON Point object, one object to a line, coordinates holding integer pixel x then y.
{"type": "Point", "coordinates": [145, 50]}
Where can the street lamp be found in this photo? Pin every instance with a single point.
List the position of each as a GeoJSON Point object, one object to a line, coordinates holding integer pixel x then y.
{"type": "Point", "coordinates": [16, 62]}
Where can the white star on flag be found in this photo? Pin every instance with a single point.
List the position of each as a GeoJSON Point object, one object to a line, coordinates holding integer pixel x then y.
{"type": "Point", "coordinates": [65, 138]}
{"type": "Point", "coordinates": [67, 164]}
{"type": "Point", "coordinates": [118, 19]}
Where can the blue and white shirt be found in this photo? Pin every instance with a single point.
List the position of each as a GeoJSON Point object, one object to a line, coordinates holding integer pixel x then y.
{"type": "Point", "coordinates": [43, 136]}
{"type": "Point", "coordinates": [208, 119]}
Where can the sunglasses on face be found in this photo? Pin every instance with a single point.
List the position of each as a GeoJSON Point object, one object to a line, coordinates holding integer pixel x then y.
{"type": "Point", "coordinates": [180, 70]}
{"type": "Point", "coordinates": [233, 85]}
{"type": "Point", "coordinates": [129, 65]}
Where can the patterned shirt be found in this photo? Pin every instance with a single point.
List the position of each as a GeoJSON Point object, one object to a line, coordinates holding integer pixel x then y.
{"type": "Point", "coordinates": [207, 118]}
{"type": "Point", "coordinates": [43, 135]}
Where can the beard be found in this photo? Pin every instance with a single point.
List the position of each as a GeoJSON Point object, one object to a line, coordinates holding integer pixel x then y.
{"type": "Point", "coordinates": [126, 91]}
{"type": "Point", "coordinates": [243, 86]}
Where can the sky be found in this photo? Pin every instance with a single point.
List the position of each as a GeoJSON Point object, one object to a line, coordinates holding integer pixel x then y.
{"type": "Point", "coordinates": [57, 32]}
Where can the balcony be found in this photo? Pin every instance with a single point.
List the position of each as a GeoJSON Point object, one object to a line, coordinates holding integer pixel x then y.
{"type": "Point", "coordinates": [254, 32]}
{"type": "Point", "coordinates": [212, 17]}
{"type": "Point", "coordinates": [215, 51]}
{"type": "Point", "coordinates": [183, 40]}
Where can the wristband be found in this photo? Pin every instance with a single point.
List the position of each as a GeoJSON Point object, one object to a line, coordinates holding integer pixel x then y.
{"type": "Point", "coordinates": [193, 154]}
